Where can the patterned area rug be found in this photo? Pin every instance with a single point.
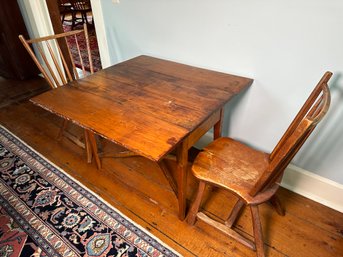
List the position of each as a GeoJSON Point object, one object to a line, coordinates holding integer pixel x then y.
{"type": "Point", "coordinates": [83, 47]}
{"type": "Point", "coordinates": [44, 212]}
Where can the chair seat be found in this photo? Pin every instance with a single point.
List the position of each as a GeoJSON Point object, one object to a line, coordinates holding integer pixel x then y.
{"type": "Point", "coordinates": [230, 164]}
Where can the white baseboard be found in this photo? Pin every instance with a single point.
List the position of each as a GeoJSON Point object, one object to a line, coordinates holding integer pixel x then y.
{"type": "Point", "coordinates": [303, 182]}
{"type": "Point", "coordinates": [314, 187]}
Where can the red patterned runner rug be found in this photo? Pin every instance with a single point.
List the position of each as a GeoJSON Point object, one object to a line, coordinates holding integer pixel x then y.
{"type": "Point", "coordinates": [44, 212]}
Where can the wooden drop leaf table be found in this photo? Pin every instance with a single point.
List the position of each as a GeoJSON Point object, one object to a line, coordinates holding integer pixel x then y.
{"type": "Point", "coordinates": [149, 106]}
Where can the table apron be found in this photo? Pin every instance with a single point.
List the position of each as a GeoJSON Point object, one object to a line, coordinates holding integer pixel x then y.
{"type": "Point", "coordinates": [196, 134]}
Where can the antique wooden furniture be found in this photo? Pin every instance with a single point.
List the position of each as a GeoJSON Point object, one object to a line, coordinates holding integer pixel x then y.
{"type": "Point", "coordinates": [252, 175]}
{"type": "Point", "coordinates": [82, 7]}
{"type": "Point", "coordinates": [149, 106]}
{"type": "Point", "coordinates": [65, 8]}
{"type": "Point", "coordinates": [57, 71]}
{"type": "Point", "coordinates": [15, 62]}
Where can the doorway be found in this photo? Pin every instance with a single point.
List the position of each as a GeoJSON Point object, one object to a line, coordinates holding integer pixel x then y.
{"type": "Point", "coordinates": [73, 15]}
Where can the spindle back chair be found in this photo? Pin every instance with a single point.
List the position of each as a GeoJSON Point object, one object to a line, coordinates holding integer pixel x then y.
{"type": "Point", "coordinates": [52, 62]}
{"type": "Point", "coordinates": [58, 69]}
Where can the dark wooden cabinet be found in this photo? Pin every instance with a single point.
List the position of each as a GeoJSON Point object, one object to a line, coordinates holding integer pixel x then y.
{"type": "Point", "coordinates": [14, 60]}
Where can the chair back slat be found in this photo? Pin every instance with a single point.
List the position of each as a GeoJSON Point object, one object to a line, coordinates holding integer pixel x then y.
{"type": "Point", "coordinates": [50, 70]}
{"type": "Point", "coordinates": [51, 61]}
{"type": "Point", "coordinates": [74, 70]}
{"type": "Point", "coordinates": [65, 65]}
{"type": "Point", "coordinates": [89, 52]}
{"type": "Point", "coordinates": [80, 5]}
{"type": "Point", "coordinates": [314, 109]}
{"type": "Point", "coordinates": [80, 55]}
{"type": "Point", "coordinates": [32, 54]}
{"type": "Point", "coordinates": [57, 65]}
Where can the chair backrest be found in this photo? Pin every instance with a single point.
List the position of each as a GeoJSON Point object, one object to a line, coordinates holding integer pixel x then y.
{"type": "Point", "coordinates": [51, 61]}
{"type": "Point", "coordinates": [295, 136]}
{"type": "Point", "coordinates": [63, 2]}
{"type": "Point", "coordinates": [83, 5]}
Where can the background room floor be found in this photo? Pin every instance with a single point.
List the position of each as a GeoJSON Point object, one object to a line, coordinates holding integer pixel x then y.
{"type": "Point", "coordinates": [139, 189]}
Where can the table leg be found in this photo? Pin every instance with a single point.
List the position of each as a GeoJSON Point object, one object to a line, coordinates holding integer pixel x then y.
{"type": "Point", "coordinates": [182, 163]}
{"type": "Point", "coordinates": [218, 126]}
{"type": "Point", "coordinates": [88, 147]}
{"type": "Point", "coordinates": [92, 142]}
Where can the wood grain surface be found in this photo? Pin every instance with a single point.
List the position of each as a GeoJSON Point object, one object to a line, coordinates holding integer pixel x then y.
{"type": "Point", "coordinates": [145, 104]}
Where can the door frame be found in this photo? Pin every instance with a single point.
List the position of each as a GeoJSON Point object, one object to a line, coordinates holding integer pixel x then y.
{"type": "Point", "coordinates": [101, 34]}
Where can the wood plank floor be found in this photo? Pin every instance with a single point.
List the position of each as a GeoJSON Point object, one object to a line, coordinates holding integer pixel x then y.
{"type": "Point", "coordinates": [138, 188]}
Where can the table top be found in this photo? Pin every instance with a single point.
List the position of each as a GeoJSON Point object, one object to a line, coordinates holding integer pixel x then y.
{"type": "Point", "coordinates": [145, 104]}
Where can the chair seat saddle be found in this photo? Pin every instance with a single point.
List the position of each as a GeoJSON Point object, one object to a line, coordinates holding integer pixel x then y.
{"type": "Point", "coordinates": [231, 165]}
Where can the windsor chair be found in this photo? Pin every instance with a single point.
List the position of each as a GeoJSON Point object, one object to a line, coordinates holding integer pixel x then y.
{"type": "Point", "coordinates": [58, 69]}
{"type": "Point", "coordinates": [82, 7]}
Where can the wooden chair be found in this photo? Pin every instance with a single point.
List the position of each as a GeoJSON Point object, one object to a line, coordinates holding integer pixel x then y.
{"type": "Point", "coordinates": [58, 68]}
{"type": "Point", "coordinates": [252, 175]}
{"type": "Point", "coordinates": [83, 7]}
{"type": "Point", "coordinates": [65, 8]}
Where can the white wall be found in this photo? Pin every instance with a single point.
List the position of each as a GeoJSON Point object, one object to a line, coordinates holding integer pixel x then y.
{"type": "Point", "coordinates": [284, 45]}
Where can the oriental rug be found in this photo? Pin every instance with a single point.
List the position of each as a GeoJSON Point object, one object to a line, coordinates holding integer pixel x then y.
{"type": "Point", "coordinates": [93, 43]}
{"type": "Point", "coordinates": [44, 212]}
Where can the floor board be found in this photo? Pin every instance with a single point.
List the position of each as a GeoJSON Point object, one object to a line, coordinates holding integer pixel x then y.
{"type": "Point", "coordinates": [138, 188]}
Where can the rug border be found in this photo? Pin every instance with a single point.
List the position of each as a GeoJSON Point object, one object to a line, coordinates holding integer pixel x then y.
{"type": "Point", "coordinates": [95, 194]}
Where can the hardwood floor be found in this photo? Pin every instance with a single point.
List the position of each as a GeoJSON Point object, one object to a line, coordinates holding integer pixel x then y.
{"type": "Point", "coordinates": [138, 188]}
{"type": "Point", "coordinates": [13, 91]}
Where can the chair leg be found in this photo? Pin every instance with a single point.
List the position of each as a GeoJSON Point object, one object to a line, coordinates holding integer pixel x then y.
{"type": "Point", "coordinates": [192, 213]}
{"type": "Point", "coordinates": [276, 203]}
{"type": "Point", "coordinates": [257, 230]}
{"type": "Point", "coordinates": [73, 19]}
{"type": "Point", "coordinates": [235, 213]}
{"type": "Point", "coordinates": [86, 18]}
{"type": "Point", "coordinates": [83, 17]}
